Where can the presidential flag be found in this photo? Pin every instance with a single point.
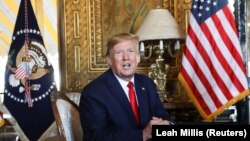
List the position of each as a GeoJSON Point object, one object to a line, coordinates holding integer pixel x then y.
{"type": "Point", "coordinates": [212, 69]}
{"type": "Point", "coordinates": [29, 76]}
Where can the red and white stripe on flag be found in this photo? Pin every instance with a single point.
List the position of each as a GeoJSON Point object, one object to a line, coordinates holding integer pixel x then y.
{"type": "Point", "coordinates": [21, 71]}
{"type": "Point", "coordinates": [212, 68]}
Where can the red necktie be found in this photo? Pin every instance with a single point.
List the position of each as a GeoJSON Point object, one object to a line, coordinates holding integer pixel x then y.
{"type": "Point", "coordinates": [133, 102]}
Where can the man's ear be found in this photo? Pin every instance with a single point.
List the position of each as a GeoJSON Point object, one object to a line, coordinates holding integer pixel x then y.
{"type": "Point", "coordinates": [108, 61]}
{"type": "Point", "coordinates": [138, 58]}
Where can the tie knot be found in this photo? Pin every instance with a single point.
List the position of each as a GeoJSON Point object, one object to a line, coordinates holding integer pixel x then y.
{"type": "Point", "coordinates": [130, 84]}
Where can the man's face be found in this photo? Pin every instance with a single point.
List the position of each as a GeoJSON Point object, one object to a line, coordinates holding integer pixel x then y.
{"type": "Point", "coordinates": [124, 59]}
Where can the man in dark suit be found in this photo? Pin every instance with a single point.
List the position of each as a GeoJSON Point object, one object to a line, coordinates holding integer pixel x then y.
{"type": "Point", "coordinates": [105, 105]}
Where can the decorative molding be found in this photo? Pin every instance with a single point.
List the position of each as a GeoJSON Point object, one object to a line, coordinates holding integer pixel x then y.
{"type": "Point", "coordinates": [77, 58]}
{"type": "Point", "coordinates": [76, 24]}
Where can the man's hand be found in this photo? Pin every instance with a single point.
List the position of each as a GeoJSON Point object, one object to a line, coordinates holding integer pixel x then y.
{"type": "Point", "coordinates": [147, 131]}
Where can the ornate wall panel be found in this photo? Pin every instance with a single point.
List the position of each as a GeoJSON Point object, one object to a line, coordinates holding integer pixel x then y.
{"type": "Point", "coordinates": [86, 26]}
{"type": "Point", "coordinates": [74, 48]}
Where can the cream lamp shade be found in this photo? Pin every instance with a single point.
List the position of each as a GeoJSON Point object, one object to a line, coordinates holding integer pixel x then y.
{"type": "Point", "coordinates": [159, 24]}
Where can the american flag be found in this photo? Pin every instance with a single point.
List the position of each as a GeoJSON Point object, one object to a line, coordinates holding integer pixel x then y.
{"type": "Point", "coordinates": [212, 69]}
{"type": "Point", "coordinates": [21, 71]}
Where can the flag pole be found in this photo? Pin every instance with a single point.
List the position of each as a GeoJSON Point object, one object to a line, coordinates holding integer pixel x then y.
{"type": "Point", "coordinates": [27, 57]}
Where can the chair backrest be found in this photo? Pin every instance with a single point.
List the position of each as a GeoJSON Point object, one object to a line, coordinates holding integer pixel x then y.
{"type": "Point", "coordinates": [67, 117]}
{"type": "Point", "coordinates": [74, 96]}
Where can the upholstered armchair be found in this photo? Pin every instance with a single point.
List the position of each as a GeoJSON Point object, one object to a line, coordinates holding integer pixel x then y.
{"type": "Point", "coordinates": [67, 117]}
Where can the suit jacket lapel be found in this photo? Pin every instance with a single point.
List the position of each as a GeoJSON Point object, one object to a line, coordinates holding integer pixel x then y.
{"type": "Point", "coordinates": [142, 99]}
{"type": "Point", "coordinates": [120, 95]}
